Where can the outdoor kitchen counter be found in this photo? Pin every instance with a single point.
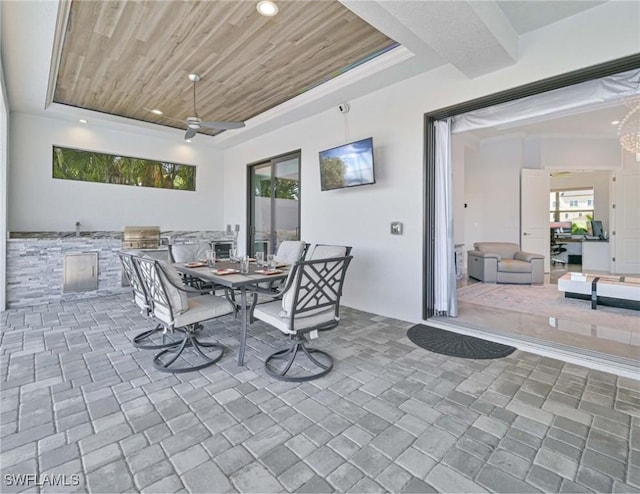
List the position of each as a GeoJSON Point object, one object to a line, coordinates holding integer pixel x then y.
{"type": "Point", "coordinates": [35, 262]}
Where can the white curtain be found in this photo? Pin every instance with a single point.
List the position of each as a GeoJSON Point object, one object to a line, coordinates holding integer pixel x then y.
{"type": "Point", "coordinates": [570, 100]}
{"type": "Point", "coordinates": [446, 302]}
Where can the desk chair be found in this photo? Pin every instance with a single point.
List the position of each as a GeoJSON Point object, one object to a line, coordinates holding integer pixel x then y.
{"type": "Point", "coordinates": [557, 248]}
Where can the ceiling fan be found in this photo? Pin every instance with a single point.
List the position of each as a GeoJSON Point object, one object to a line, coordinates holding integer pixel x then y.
{"type": "Point", "coordinates": [195, 123]}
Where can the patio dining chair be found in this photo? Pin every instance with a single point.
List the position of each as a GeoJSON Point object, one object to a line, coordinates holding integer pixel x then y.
{"type": "Point", "coordinates": [152, 339]}
{"type": "Point", "coordinates": [176, 312]}
{"type": "Point", "coordinates": [289, 252]}
{"type": "Point", "coordinates": [310, 303]}
{"type": "Point", "coordinates": [320, 251]}
{"type": "Point", "coordinates": [187, 253]}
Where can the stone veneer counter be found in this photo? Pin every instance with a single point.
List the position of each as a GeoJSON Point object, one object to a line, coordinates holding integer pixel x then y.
{"type": "Point", "coordinates": [35, 262]}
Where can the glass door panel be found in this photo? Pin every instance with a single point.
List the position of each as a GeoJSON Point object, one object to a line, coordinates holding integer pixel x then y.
{"type": "Point", "coordinates": [274, 209]}
{"type": "Point", "coordinates": [260, 221]}
{"type": "Point", "coordinates": [286, 204]}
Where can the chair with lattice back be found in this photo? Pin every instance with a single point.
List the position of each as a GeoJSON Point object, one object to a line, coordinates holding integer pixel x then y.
{"type": "Point", "coordinates": [190, 252]}
{"type": "Point", "coordinates": [152, 339]}
{"type": "Point", "coordinates": [311, 302]}
{"type": "Point", "coordinates": [175, 311]}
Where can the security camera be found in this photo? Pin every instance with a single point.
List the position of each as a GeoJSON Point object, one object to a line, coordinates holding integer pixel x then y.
{"type": "Point", "coordinates": [344, 108]}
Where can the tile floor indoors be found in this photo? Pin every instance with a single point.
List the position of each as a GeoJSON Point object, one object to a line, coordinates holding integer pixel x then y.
{"type": "Point", "coordinates": [78, 399]}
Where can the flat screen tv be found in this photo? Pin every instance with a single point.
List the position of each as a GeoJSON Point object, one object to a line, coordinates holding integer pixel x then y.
{"type": "Point", "coordinates": [348, 165]}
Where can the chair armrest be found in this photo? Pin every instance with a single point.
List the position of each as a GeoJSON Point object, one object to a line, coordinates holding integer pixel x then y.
{"type": "Point", "coordinates": [527, 256]}
{"type": "Point", "coordinates": [484, 255]}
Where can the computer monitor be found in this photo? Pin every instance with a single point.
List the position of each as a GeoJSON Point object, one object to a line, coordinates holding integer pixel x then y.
{"type": "Point", "coordinates": [596, 229]}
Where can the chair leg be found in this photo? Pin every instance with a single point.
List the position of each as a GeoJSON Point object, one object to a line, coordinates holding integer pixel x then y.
{"type": "Point", "coordinates": [144, 340]}
{"type": "Point", "coordinates": [164, 360]}
{"type": "Point", "coordinates": [289, 354]}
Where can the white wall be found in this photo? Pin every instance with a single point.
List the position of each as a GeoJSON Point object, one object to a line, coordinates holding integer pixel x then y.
{"type": "Point", "coordinates": [37, 202]}
{"type": "Point", "coordinates": [385, 265]}
{"type": "Point", "coordinates": [492, 191]}
{"type": "Point", "coordinates": [4, 152]}
{"type": "Point", "coordinates": [576, 153]}
{"type": "Point", "coordinates": [459, 149]}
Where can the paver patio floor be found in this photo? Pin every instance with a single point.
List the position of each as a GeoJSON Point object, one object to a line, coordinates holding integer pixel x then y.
{"type": "Point", "coordinates": [81, 403]}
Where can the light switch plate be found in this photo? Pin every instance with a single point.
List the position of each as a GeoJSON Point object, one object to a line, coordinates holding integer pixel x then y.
{"type": "Point", "coordinates": [396, 228]}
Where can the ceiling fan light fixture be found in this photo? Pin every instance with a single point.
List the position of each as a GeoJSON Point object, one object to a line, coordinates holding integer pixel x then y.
{"type": "Point", "coordinates": [267, 8]}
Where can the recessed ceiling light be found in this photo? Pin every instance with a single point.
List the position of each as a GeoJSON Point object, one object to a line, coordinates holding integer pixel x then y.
{"type": "Point", "coordinates": [82, 120]}
{"type": "Point", "coordinates": [187, 140]}
{"type": "Point", "coordinates": [615, 122]}
{"type": "Point", "coordinates": [157, 112]}
{"type": "Point", "coordinates": [267, 8]}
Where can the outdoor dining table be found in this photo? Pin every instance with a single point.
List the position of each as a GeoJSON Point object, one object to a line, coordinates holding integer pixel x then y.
{"type": "Point", "coordinates": [234, 281]}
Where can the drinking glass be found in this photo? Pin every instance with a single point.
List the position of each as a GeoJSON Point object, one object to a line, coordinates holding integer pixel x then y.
{"type": "Point", "coordinates": [211, 258]}
{"type": "Point", "coordinates": [260, 259]}
{"type": "Point", "coordinates": [233, 254]}
{"type": "Point", "coordinates": [271, 261]}
{"type": "Point", "coordinates": [244, 264]}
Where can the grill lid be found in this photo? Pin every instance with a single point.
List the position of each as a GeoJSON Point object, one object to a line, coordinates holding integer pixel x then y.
{"type": "Point", "coordinates": [138, 237]}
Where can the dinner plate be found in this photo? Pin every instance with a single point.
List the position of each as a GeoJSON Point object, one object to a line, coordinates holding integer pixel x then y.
{"type": "Point", "coordinates": [196, 264]}
{"type": "Point", "coordinates": [268, 271]}
{"type": "Point", "coordinates": [222, 272]}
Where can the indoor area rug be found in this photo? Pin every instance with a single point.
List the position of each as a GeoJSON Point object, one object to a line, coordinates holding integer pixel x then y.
{"type": "Point", "coordinates": [456, 345]}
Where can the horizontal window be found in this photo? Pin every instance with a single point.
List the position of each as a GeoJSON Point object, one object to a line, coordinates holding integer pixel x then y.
{"type": "Point", "coordinates": [89, 166]}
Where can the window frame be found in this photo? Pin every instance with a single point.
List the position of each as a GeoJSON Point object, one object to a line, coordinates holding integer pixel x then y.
{"type": "Point", "coordinates": [148, 162]}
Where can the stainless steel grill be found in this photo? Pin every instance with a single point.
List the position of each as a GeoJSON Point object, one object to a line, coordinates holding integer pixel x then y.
{"type": "Point", "coordinates": [141, 237]}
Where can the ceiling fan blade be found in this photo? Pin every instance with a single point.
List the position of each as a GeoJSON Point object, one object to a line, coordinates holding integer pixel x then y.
{"type": "Point", "coordinates": [190, 133]}
{"type": "Point", "coordinates": [222, 125]}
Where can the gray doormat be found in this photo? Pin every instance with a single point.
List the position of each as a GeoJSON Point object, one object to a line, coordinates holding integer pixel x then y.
{"type": "Point", "coordinates": [456, 345]}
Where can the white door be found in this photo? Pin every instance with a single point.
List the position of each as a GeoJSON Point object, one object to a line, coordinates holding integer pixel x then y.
{"type": "Point", "coordinates": [625, 230]}
{"type": "Point", "coordinates": [534, 213]}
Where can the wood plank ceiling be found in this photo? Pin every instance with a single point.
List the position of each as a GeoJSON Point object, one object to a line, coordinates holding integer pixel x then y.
{"type": "Point", "coordinates": [119, 57]}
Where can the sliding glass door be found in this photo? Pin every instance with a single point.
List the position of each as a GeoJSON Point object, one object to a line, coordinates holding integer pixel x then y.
{"type": "Point", "coordinates": [274, 203]}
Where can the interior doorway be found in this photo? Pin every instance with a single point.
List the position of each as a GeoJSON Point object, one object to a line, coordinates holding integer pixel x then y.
{"type": "Point", "coordinates": [501, 222]}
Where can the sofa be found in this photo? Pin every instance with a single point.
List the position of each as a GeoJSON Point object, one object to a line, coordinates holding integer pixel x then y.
{"type": "Point", "coordinates": [504, 262]}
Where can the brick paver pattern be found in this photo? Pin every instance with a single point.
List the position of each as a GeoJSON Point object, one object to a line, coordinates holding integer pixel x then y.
{"type": "Point", "coordinates": [78, 399]}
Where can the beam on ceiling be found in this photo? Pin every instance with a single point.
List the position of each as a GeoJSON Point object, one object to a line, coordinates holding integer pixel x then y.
{"type": "Point", "coordinates": [475, 37]}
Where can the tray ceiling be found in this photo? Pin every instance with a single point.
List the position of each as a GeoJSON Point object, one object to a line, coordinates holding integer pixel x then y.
{"type": "Point", "coordinates": [121, 57]}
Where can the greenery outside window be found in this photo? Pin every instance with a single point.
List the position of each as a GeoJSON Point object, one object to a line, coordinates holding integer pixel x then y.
{"type": "Point", "coordinates": [575, 205]}
{"type": "Point", "coordinates": [90, 166]}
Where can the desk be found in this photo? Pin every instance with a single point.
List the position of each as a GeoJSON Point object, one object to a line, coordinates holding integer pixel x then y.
{"type": "Point", "coordinates": [595, 256]}
{"type": "Point", "coordinates": [235, 282]}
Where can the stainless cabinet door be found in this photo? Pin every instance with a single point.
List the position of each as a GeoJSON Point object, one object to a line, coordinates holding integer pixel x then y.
{"type": "Point", "coordinates": [80, 272]}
